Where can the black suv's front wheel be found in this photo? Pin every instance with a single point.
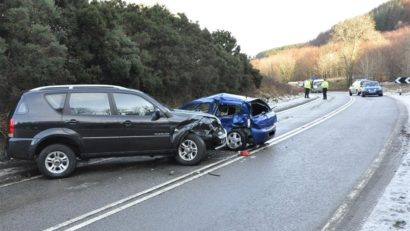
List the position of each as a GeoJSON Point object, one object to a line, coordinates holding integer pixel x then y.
{"type": "Point", "coordinates": [191, 150]}
{"type": "Point", "coordinates": [56, 161]}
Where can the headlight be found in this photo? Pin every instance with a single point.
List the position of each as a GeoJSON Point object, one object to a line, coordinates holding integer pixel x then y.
{"type": "Point", "coordinates": [222, 134]}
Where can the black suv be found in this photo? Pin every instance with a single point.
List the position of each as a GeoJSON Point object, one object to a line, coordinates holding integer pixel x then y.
{"type": "Point", "coordinates": [55, 125]}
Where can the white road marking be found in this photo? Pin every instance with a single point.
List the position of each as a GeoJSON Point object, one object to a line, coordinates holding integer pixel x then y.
{"type": "Point", "coordinates": [39, 176]}
{"type": "Point", "coordinates": [134, 199]}
{"type": "Point", "coordinates": [21, 181]}
{"type": "Point", "coordinates": [116, 203]}
{"type": "Point", "coordinates": [299, 106]}
{"type": "Point", "coordinates": [343, 209]}
{"type": "Point", "coordinates": [305, 127]}
{"type": "Point", "coordinates": [156, 193]}
{"type": "Point", "coordinates": [98, 161]}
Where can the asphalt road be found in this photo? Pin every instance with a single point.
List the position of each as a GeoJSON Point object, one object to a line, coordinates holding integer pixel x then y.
{"type": "Point", "coordinates": [296, 184]}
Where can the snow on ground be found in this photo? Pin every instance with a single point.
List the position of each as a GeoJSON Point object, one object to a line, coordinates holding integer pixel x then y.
{"type": "Point", "coordinates": [284, 102]}
{"type": "Point", "coordinates": [392, 211]}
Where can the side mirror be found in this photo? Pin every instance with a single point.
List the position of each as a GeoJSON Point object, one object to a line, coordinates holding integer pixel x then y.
{"type": "Point", "coordinates": [157, 115]}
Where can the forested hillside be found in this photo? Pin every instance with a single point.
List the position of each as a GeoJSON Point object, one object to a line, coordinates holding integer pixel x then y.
{"type": "Point", "coordinates": [392, 15]}
{"type": "Point", "coordinates": [45, 42]}
{"type": "Point", "coordinates": [375, 46]}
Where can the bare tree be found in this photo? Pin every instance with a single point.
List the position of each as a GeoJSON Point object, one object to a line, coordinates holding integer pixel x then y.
{"type": "Point", "coordinates": [286, 67]}
{"type": "Point", "coordinates": [306, 59]}
{"type": "Point", "coordinates": [406, 59]}
{"type": "Point", "coordinates": [327, 64]}
{"type": "Point", "coordinates": [350, 34]}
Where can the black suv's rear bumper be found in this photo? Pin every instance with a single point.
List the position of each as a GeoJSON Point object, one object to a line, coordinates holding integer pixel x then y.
{"type": "Point", "coordinates": [19, 148]}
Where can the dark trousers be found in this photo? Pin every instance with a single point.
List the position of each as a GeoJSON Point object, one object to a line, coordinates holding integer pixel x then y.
{"type": "Point", "coordinates": [324, 90]}
{"type": "Point", "coordinates": [307, 92]}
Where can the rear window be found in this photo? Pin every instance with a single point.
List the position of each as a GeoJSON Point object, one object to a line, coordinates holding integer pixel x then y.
{"type": "Point", "coordinates": [56, 101]}
{"type": "Point", "coordinates": [259, 107]}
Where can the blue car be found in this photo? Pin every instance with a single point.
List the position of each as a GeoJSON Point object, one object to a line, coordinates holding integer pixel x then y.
{"type": "Point", "coordinates": [247, 120]}
{"type": "Point", "coordinates": [372, 88]}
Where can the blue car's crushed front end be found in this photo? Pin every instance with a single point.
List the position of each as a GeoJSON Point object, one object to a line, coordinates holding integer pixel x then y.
{"type": "Point", "coordinates": [253, 116]}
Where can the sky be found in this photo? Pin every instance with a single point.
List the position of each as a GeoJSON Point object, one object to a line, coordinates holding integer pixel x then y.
{"type": "Point", "coordinates": [259, 25]}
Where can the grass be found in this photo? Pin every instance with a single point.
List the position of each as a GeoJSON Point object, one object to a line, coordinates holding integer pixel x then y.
{"type": "Point", "coordinates": [400, 224]}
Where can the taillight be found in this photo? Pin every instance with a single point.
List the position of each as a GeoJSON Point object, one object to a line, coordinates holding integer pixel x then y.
{"type": "Point", "coordinates": [11, 127]}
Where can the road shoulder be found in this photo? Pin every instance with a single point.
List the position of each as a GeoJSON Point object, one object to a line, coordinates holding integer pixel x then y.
{"type": "Point", "coordinates": [392, 211]}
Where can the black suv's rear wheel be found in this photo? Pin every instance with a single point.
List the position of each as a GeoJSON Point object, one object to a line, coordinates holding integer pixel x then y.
{"type": "Point", "coordinates": [56, 161]}
{"type": "Point", "coordinates": [191, 150]}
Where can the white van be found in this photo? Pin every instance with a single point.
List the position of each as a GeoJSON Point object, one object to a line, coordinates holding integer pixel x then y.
{"type": "Point", "coordinates": [317, 85]}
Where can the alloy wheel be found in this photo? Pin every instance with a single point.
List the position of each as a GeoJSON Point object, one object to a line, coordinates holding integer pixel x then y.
{"type": "Point", "coordinates": [234, 140]}
{"type": "Point", "coordinates": [188, 150]}
{"type": "Point", "coordinates": [57, 162]}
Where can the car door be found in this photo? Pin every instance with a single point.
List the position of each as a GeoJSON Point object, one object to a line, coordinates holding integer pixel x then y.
{"type": "Point", "coordinates": [90, 115]}
{"type": "Point", "coordinates": [141, 131]}
{"type": "Point", "coordinates": [226, 114]}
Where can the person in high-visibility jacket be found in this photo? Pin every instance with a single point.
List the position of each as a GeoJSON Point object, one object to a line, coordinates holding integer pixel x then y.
{"type": "Point", "coordinates": [325, 86]}
{"type": "Point", "coordinates": [307, 85]}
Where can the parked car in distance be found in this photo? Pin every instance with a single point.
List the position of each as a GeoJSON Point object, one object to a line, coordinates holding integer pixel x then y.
{"type": "Point", "coordinates": [317, 88]}
{"type": "Point", "coordinates": [247, 120]}
{"type": "Point", "coordinates": [55, 125]}
{"type": "Point", "coordinates": [356, 87]}
{"type": "Point", "coordinates": [372, 88]}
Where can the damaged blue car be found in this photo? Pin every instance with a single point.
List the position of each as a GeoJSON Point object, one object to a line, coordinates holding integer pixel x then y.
{"type": "Point", "coordinates": [247, 120]}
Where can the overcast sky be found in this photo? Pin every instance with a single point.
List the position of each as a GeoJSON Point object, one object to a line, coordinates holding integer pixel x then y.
{"type": "Point", "coordinates": [259, 25]}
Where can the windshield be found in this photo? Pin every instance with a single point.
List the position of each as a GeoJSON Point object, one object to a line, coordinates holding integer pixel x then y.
{"type": "Point", "coordinates": [371, 84]}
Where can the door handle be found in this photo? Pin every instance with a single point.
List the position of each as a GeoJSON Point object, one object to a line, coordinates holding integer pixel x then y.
{"type": "Point", "coordinates": [126, 123]}
{"type": "Point", "coordinates": [72, 122]}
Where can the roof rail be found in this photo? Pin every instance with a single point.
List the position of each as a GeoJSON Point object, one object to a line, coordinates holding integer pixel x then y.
{"type": "Point", "coordinates": [72, 86]}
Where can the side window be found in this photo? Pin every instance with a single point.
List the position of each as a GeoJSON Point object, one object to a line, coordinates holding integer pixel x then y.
{"type": "Point", "coordinates": [56, 101]}
{"type": "Point", "coordinates": [191, 107]}
{"type": "Point", "coordinates": [128, 104]}
{"type": "Point", "coordinates": [228, 110]}
{"type": "Point", "coordinates": [22, 108]}
{"type": "Point", "coordinates": [203, 107]}
{"type": "Point", "coordinates": [89, 104]}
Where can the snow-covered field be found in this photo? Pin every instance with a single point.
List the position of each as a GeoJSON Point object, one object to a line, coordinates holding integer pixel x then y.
{"type": "Point", "coordinates": [392, 211]}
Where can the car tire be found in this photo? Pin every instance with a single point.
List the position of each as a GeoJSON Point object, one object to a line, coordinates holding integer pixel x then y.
{"type": "Point", "coordinates": [191, 150]}
{"type": "Point", "coordinates": [236, 140]}
{"type": "Point", "coordinates": [381, 94]}
{"type": "Point", "coordinates": [363, 95]}
{"type": "Point", "coordinates": [56, 161]}
{"type": "Point", "coordinates": [350, 93]}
